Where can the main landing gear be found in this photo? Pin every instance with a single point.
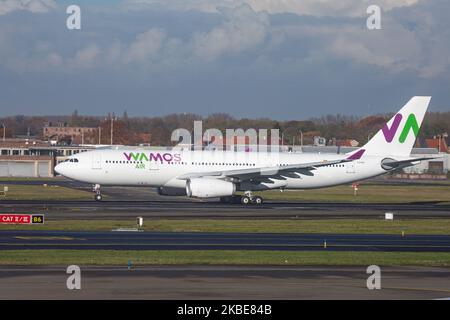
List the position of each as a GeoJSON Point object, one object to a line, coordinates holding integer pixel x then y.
{"type": "Point", "coordinates": [246, 199]}
{"type": "Point", "coordinates": [98, 195]}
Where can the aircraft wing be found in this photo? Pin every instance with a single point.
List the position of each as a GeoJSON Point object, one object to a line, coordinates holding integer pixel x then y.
{"type": "Point", "coordinates": [394, 164]}
{"type": "Point", "coordinates": [240, 175]}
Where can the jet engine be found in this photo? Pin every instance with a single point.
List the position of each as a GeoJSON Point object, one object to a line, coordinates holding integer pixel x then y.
{"type": "Point", "coordinates": [209, 188]}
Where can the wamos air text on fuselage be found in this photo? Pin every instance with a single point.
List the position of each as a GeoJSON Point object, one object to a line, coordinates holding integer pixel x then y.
{"type": "Point", "coordinates": [207, 174]}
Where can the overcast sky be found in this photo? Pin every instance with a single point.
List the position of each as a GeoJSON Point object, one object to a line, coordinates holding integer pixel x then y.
{"type": "Point", "coordinates": [287, 59]}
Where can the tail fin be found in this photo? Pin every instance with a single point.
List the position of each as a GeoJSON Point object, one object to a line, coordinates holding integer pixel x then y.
{"type": "Point", "coordinates": [397, 137]}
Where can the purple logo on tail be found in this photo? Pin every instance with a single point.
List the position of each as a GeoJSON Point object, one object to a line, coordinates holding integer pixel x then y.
{"type": "Point", "coordinates": [389, 133]}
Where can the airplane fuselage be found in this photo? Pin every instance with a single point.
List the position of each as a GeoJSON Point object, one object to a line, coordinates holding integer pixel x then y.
{"type": "Point", "coordinates": [156, 168]}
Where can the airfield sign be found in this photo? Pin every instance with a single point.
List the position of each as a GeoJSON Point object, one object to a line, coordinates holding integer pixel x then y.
{"type": "Point", "coordinates": [6, 218]}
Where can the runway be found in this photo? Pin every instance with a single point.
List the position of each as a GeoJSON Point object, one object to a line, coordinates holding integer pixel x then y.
{"type": "Point", "coordinates": [223, 282]}
{"type": "Point", "coordinates": [38, 240]}
{"type": "Point", "coordinates": [110, 209]}
{"type": "Point", "coordinates": [126, 202]}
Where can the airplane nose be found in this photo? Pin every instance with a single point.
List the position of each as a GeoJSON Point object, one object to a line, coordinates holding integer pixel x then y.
{"type": "Point", "coordinates": [59, 169]}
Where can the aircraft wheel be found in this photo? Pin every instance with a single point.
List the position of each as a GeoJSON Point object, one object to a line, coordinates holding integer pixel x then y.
{"type": "Point", "coordinates": [98, 197]}
{"type": "Point", "coordinates": [258, 200]}
{"type": "Point", "coordinates": [245, 200]}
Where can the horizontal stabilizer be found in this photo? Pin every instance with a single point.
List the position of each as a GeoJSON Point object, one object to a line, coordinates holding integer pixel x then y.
{"type": "Point", "coordinates": [389, 164]}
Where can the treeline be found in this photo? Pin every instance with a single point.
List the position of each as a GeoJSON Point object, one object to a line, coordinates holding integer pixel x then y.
{"type": "Point", "coordinates": [133, 130]}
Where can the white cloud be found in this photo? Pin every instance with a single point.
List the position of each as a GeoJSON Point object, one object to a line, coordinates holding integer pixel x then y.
{"type": "Point", "coordinates": [394, 48]}
{"type": "Point", "coordinates": [300, 7]}
{"type": "Point", "coordinates": [86, 57]}
{"type": "Point", "coordinates": [243, 29]}
{"type": "Point", "coordinates": [326, 7]}
{"type": "Point", "coordinates": [35, 6]}
{"type": "Point", "coordinates": [146, 46]}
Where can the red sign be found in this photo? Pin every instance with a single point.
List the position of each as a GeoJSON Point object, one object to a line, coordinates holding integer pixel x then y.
{"type": "Point", "coordinates": [15, 218]}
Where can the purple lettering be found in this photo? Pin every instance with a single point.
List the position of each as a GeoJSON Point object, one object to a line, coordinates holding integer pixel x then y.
{"type": "Point", "coordinates": [128, 156]}
{"type": "Point", "coordinates": [168, 157]}
{"type": "Point", "coordinates": [156, 157]}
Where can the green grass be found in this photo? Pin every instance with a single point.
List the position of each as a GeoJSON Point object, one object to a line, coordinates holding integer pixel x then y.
{"type": "Point", "coordinates": [41, 192]}
{"type": "Point", "coordinates": [367, 193]}
{"type": "Point", "coordinates": [221, 257]}
{"type": "Point", "coordinates": [361, 226]}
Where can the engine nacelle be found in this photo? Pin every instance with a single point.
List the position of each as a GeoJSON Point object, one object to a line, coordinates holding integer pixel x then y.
{"type": "Point", "coordinates": [171, 191]}
{"type": "Point", "coordinates": [209, 188]}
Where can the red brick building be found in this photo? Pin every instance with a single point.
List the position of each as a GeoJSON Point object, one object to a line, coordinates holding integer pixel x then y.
{"type": "Point", "coordinates": [73, 135]}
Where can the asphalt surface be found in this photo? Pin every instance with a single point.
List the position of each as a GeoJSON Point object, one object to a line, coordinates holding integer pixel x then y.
{"type": "Point", "coordinates": [119, 240]}
{"type": "Point", "coordinates": [145, 202]}
{"type": "Point", "coordinates": [223, 282]}
{"type": "Point", "coordinates": [216, 282]}
{"type": "Point", "coordinates": [181, 208]}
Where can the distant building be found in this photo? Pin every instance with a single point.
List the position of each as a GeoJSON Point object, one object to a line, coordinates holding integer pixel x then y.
{"type": "Point", "coordinates": [144, 138]}
{"type": "Point", "coordinates": [71, 135]}
{"type": "Point", "coordinates": [32, 158]}
{"type": "Point", "coordinates": [437, 143]}
{"type": "Point", "coordinates": [347, 143]}
{"type": "Point", "coordinates": [319, 141]}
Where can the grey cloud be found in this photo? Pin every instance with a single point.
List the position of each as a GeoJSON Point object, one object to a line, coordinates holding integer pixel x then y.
{"type": "Point", "coordinates": [146, 46]}
{"type": "Point", "coordinates": [300, 7]}
{"type": "Point", "coordinates": [243, 29]}
{"type": "Point", "coordinates": [35, 6]}
{"type": "Point", "coordinates": [86, 57]}
{"type": "Point", "coordinates": [235, 58]}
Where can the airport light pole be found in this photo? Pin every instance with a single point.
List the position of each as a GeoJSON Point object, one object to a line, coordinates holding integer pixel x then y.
{"type": "Point", "coordinates": [4, 131]}
{"type": "Point", "coordinates": [112, 130]}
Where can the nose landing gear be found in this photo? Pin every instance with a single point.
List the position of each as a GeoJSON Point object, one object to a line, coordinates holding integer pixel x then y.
{"type": "Point", "coordinates": [98, 195]}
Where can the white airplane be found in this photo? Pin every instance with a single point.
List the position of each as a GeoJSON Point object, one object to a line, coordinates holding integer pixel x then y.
{"type": "Point", "coordinates": [211, 174]}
